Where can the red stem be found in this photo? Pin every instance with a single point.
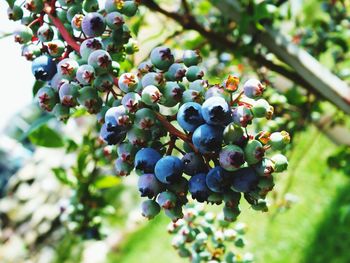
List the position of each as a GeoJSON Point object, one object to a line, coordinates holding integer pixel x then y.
{"type": "Point", "coordinates": [50, 11]}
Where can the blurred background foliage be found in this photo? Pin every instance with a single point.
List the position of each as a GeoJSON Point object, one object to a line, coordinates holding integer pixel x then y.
{"type": "Point", "coordinates": [58, 178]}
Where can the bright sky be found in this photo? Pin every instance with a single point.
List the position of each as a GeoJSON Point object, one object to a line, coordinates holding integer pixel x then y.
{"type": "Point", "coordinates": [15, 72]}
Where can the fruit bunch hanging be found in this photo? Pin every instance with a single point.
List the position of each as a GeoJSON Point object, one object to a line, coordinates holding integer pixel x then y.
{"type": "Point", "coordinates": [206, 150]}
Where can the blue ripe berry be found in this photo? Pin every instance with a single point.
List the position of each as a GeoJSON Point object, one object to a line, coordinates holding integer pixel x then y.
{"type": "Point", "coordinates": [117, 116]}
{"type": "Point", "coordinates": [101, 61]}
{"type": "Point", "coordinates": [193, 73]}
{"type": "Point", "coordinates": [190, 116]}
{"type": "Point", "coordinates": [242, 116]}
{"type": "Point", "coordinates": [115, 20]}
{"type": "Point", "coordinates": [280, 163]}
{"type": "Point", "coordinates": [216, 111]}
{"type": "Point", "coordinates": [168, 169]}
{"type": "Point", "coordinates": [152, 78]}
{"type": "Point", "coordinates": [128, 82]}
{"type": "Point", "coordinates": [253, 88]}
{"type": "Point", "coordinates": [254, 152]}
{"type": "Point", "coordinates": [149, 186]}
{"type": "Point", "coordinates": [162, 58]}
{"type": "Point", "coordinates": [88, 46]}
{"type": "Point", "coordinates": [176, 72]}
{"type": "Point", "coordinates": [167, 200]}
{"type": "Point", "coordinates": [191, 57]}
{"type": "Point", "coordinates": [93, 24]}
{"type": "Point", "coordinates": [85, 74]}
{"type": "Point", "coordinates": [150, 209]}
{"type": "Point", "coordinates": [146, 159]}
{"type": "Point", "coordinates": [67, 68]}
{"type": "Point", "coordinates": [245, 180]}
{"type": "Point", "coordinates": [198, 188]}
{"type": "Point", "coordinates": [207, 138]}
{"type": "Point", "coordinates": [234, 134]}
{"type": "Point", "coordinates": [145, 119]}
{"type": "Point", "coordinates": [112, 136]}
{"type": "Point", "coordinates": [131, 101]}
{"type": "Point", "coordinates": [68, 94]}
{"type": "Point", "coordinates": [217, 180]}
{"type": "Point", "coordinates": [43, 68]}
{"type": "Point", "coordinates": [151, 95]}
{"type": "Point", "coordinates": [193, 164]}
{"type": "Point", "coordinates": [122, 168]}
{"type": "Point", "coordinates": [45, 33]}
{"type": "Point", "coordinates": [180, 187]}
{"type": "Point", "coordinates": [231, 157]}
{"type": "Point", "coordinates": [172, 93]}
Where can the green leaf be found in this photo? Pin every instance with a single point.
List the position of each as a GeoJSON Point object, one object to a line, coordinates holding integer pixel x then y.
{"type": "Point", "coordinates": [82, 161]}
{"type": "Point", "coordinates": [63, 177]}
{"type": "Point", "coordinates": [107, 181]}
{"type": "Point", "coordinates": [35, 125]}
{"type": "Point", "coordinates": [37, 85]}
{"type": "Point", "coordinates": [46, 137]}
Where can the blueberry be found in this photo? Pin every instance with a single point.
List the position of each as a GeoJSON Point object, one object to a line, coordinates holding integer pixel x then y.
{"type": "Point", "coordinates": [207, 138]}
{"type": "Point", "coordinates": [199, 85]}
{"type": "Point", "coordinates": [128, 82]}
{"type": "Point", "coordinates": [280, 163]}
{"type": "Point", "coordinates": [149, 186]}
{"type": "Point", "coordinates": [217, 180]}
{"type": "Point", "coordinates": [279, 140]}
{"type": "Point", "coordinates": [151, 95]}
{"type": "Point", "coordinates": [89, 98]}
{"type": "Point", "coordinates": [101, 61]}
{"type": "Point", "coordinates": [172, 93]}
{"type": "Point", "coordinates": [174, 214]}
{"type": "Point", "coordinates": [126, 151]}
{"type": "Point", "coordinates": [253, 152]}
{"type": "Point", "coordinates": [113, 136]}
{"type": "Point", "coordinates": [190, 116]}
{"type": "Point", "coordinates": [194, 72]}
{"type": "Point", "coordinates": [198, 188]}
{"type": "Point", "coordinates": [150, 209]}
{"type": "Point", "coordinates": [129, 8]}
{"type": "Point", "coordinates": [67, 68]}
{"type": "Point", "coordinates": [218, 91]}
{"type": "Point", "coordinates": [90, 5]}
{"type": "Point", "coordinates": [138, 137]}
{"type": "Point", "coordinates": [193, 164]}
{"type": "Point", "coordinates": [265, 167]}
{"type": "Point", "coordinates": [144, 68]}
{"type": "Point", "coordinates": [68, 94]}
{"type": "Point", "coordinates": [85, 74]}
{"type": "Point", "coordinates": [231, 198]}
{"type": "Point", "coordinates": [245, 180]}
{"type": "Point", "coordinates": [146, 159]}
{"type": "Point", "coordinates": [192, 96]}
{"type": "Point", "coordinates": [117, 116]}
{"type": "Point", "coordinates": [234, 134]}
{"type": "Point", "coordinates": [162, 58]}
{"type": "Point", "coordinates": [216, 111]}
{"type": "Point", "coordinates": [168, 169]}
{"type": "Point", "coordinates": [104, 82]}
{"type": "Point", "coordinates": [145, 119]}
{"type": "Point", "coordinates": [261, 109]}
{"type": "Point", "coordinates": [191, 57]}
{"type": "Point", "coordinates": [115, 20]}
{"type": "Point", "coordinates": [131, 101]}
{"type": "Point", "coordinates": [23, 34]}
{"type": "Point", "coordinates": [180, 187]}
{"type": "Point", "coordinates": [47, 98]}
{"type": "Point", "coordinates": [45, 33]}
{"type": "Point", "coordinates": [231, 157]}
{"type": "Point", "coordinates": [253, 88]}
{"type": "Point", "coordinates": [93, 24]}
{"type": "Point", "coordinates": [122, 167]}
{"type": "Point", "coordinates": [15, 13]}
{"type": "Point", "coordinates": [31, 51]}
{"type": "Point", "coordinates": [88, 46]}
{"type": "Point", "coordinates": [242, 116]}
{"type": "Point", "coordinates": [231, 214]}
{"type": "Point", "coordinates": [152, 78]}
{"type": "Point", "coordinates": [167, 200]}
{"type": "Point", "coordinates": [176, 72]}
{"type": "Point", "coordinates": [43, 68]}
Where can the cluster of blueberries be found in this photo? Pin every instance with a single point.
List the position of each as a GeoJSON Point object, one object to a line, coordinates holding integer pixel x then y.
{"type": "Point", "coordinates": [74, 77]}
{"type": "Point", "coordinates": [203, 236]}
{"type": "Point", "coordinates": [220, 159]}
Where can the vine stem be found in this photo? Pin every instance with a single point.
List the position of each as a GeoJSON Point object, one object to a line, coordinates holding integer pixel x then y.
{"type": "Point", "coordinates": [171, 145]}
{"type": "Point", "coordinates": [49, 9]}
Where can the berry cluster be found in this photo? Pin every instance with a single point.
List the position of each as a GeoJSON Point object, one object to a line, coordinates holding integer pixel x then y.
{"type": "Point", "coordinates": [204, 237]}
{"type": "Point", "coordinates": [220, 159]}
{"type": "Point", "coordinates": [75, 47]}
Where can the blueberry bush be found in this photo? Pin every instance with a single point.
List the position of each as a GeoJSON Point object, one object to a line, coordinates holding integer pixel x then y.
{"type": "Point", "coordinates": [191, 131]}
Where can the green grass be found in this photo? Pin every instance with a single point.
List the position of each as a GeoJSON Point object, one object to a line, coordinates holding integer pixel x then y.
{"type": "Point", "coordinates": [311, 231]}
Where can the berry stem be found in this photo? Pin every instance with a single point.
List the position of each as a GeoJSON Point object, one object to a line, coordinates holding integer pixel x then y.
{"type": "Point", "coordinates": [174, 131]}
{"type": "Point", "coordinates": [171, 145]}
{"type": "Point", "coordinates": [50, 11]}
{"type": "Point", "coordinates": [235, 100]}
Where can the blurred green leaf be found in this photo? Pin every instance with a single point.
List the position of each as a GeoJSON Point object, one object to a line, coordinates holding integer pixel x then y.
{"type": "Point", "coordinates": [46, 137]}
{"type": "Point", "coordinates": [107, 181]}
{"type": "Point", "coordinates": [63, 177]}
